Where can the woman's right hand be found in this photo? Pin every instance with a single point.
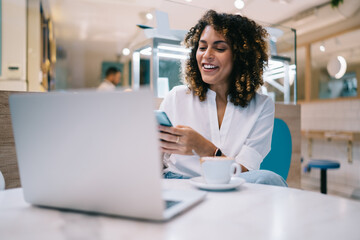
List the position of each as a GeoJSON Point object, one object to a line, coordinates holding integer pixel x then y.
{"type": "Point", "coordinates": [184, 140]}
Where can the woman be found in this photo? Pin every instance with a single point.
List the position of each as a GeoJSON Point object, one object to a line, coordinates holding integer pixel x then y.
{"type": "Point", "coordinates": [219, 112]}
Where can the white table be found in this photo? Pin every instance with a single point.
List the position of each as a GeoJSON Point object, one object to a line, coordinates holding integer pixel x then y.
{"type": "Point", "coordinates": [252, 212]}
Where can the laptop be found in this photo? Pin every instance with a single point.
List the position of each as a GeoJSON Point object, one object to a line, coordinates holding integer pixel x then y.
{"type": "Point", "coordinates": [95, 152]}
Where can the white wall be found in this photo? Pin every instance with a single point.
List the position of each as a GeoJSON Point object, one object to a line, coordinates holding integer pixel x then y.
{"type": "Point", "coordinates": [341, 115]}
{"type": "Point", "coordinates": [13, 45]}
{"type": "Point", "coordinates": [81, 68]}
{"type": "Point", "coordinates": [34, 46]}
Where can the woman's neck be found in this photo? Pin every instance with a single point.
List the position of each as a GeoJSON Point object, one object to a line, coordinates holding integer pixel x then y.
{"type": "Point", "coordinates": [221, 91]}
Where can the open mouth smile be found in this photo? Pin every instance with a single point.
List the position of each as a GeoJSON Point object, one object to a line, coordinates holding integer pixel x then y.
{"type": "Point", "coordinates": [209, 67]}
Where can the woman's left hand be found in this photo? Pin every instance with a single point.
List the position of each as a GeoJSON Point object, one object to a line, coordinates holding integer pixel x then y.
{"type": "Point", "coordinates": [185, 141]}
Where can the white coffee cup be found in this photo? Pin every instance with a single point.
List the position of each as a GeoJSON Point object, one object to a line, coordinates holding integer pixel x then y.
{"type": "Point", "coordinates": [219, 170]}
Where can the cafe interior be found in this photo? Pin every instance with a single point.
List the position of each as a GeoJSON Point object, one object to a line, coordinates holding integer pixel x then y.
{"type": "Point", "coordinates": [64, 47]}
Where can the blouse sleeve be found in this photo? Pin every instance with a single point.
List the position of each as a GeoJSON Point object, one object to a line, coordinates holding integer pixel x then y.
{"type": "Point", "coordinates": [258, 143]}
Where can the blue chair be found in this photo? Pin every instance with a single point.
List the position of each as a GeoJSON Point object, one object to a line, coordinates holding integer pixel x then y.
{"type": "Point", "coordinates": [323, 165]}
{"type": "Point", "coordinates": [279, 158]}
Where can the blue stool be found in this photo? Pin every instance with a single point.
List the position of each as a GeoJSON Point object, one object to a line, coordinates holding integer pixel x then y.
{"type": "Point", "coordinates": [323, 165]}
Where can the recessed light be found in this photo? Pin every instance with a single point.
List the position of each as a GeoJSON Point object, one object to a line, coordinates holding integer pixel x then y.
{"type": "Point", "coordinates": [322, 48]}
{"type": "Point", "coordinates": [126, 51]}
{"type": "Point", "coordinates": [239, 4]}
{"type": "Point", "coordinates": [149, 16]}
{"type": "Point", "coordinates": [146, 51]}
{"type": "Point", "coordinates": [282, 1]}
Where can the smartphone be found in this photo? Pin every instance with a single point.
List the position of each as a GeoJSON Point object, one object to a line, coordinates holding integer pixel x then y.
{"type": "Point", "coordinates": [162, 118]}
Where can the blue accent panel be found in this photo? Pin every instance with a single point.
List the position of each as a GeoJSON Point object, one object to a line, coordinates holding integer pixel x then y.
{"type": "Point", "coordinates": [144, 72]}
{"type": "Point", "coordinates": [106, 65]}
{"type": "Point", "coordinates": [279, 158]}
{"type": "Point", "coordinates": [130, 73]}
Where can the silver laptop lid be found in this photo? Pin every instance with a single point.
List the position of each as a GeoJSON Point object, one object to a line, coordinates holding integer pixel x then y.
{"type": "Point", "coordinates": [91, 151]}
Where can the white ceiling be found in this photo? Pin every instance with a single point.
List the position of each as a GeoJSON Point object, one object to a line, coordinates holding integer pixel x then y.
{"type": "Point", "coordinates": [115, 20]}
{"type": "Point", "coordinates": [346, 45]}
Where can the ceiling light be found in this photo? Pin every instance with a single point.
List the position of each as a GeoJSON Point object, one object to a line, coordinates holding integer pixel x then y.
{"type": "Point", "coordinates": [342, 67]}
{"type": "Point", "coordinates": [149, 16]}
{"type": "Point", "coordinates": [175, 49]}
{"type": "Point", "coordinates": [126, 51]}
{"type": "Point", "coordinates": [284, 1]}
{"type": "Point", "coordinates": [170, 55]}
{"type": "Point", "coordinates": [239, 4]}
{"type": "Point", "coordinates": [146, 51]}
{"type": "Point", "coordinates": [322, 48]}
{"type": "Point", "coordinates": [188, 0]}
{"type": "Point", "coordinates": [337, 66]}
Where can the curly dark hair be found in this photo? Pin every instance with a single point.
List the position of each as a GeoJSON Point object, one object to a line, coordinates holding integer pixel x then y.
{"type": "Point", "coordinates": [248, 43]}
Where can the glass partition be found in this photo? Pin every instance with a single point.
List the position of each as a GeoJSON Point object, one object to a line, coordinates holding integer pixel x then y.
{"type": "Point", "coordinates": [158, 62]}
{"type": "Point", "coordinates": [280, 76]}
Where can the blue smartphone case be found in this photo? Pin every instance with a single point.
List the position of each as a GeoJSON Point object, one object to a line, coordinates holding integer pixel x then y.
{"type": "Point", "coordinates": [162, 118]}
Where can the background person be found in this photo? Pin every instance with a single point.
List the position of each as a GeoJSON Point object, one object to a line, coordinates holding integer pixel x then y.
{"type": "Point", "coordinates": [219, 112]}
{"type": "Point", "coordinates": [112, 79]}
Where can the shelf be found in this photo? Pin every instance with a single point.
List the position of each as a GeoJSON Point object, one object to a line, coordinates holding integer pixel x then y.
{"type": "Point", "coordinates": [350, 137]}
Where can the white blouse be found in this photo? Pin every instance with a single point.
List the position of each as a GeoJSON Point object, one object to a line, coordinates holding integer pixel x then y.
{"type": "Point", "coordinates": [245, 133]}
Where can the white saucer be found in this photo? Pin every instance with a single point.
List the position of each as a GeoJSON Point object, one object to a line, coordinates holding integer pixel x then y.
{"type": "Point", "coordinates": [200, 183]}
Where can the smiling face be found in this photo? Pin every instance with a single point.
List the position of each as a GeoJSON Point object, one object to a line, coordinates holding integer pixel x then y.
{"type": "Point", "coordinates": [214, 57]}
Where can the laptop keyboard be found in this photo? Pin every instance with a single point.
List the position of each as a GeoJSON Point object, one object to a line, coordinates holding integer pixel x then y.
{"type": "Point", "coordinates": [169, 203]}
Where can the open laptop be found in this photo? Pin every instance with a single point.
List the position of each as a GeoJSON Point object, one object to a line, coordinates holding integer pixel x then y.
{"type": "Point", "coordinates": [95, 152]}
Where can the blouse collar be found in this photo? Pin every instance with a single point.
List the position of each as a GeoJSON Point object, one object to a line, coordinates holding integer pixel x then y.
{"type": "Point", "coordinates": [212, 95]}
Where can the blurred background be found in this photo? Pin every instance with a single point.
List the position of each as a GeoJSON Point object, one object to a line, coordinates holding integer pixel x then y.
{"type": "Point", "coordinates": [57, 45]}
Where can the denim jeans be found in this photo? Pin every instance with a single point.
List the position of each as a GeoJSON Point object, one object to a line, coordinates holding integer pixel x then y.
{"type": "Point", "coordinates": [254, 176]}
{"type": "Point", "coordinates": [172, 175]}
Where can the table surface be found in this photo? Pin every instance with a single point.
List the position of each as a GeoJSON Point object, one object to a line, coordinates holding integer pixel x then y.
{"type": "Point", "coordinates": [252, 212]}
